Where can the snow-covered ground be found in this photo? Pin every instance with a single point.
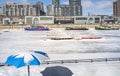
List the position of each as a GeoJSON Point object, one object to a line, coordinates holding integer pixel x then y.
{"type": "Point", "coordinates": [19, 40]}
{"type": "Point", "coordinates": [79, 69]}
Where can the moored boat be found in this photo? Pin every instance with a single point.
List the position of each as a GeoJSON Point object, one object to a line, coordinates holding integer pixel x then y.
{"type": "Point", "coordinates": [40, 28]}
{"type": "Point", "coordinates": [106, 28]}
{"type": "Point", "coordinates": [91, 37]}
{"type": "Point", "coordinates": [76, 28]}
{"type": "Point", "coordinates": [68, 38]}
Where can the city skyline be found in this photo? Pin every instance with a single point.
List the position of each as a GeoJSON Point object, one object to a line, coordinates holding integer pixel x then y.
{"type": "Point", "coordinates": [90, 7]}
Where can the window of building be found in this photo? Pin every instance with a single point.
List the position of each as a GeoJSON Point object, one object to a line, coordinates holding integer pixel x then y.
{"type": "Point", "coordinates": [35, 21]}
{"type": "Point", "coordinates": [29, 20]}
{"type": "Point", "coordinates": [45, 18]}
{"type": "Point", "coordinates": [81, 18]}
{"type": "Point", "coordinates": [90, 18]}
{"type": "Point", "coordinates": [97, 18]}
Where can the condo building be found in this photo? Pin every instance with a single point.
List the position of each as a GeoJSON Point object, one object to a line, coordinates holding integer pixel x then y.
{"type": "Point", "coordinates": [116, 8]}
{"type": "Point", "coordinates": [55, 2]}
{"type": "Point", "coordinates": [22, 10]}
{"type": "Point", "coordinates": [74, 8]}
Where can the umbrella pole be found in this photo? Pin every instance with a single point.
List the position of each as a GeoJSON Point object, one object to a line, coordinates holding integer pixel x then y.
{"type": "Point", "coordinates": [28, 70]}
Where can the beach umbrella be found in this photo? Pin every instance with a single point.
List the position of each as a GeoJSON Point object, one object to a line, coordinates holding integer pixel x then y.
{"type": "Point", "coordinates": [57, 71]}
{"type": "Point", "coordinates": [26, 59]}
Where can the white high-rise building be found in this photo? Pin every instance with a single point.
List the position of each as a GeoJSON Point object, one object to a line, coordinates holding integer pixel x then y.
{"type": "Point", "coordinates": [22, 10]}
{"type": "Point", "coordinates": [74, 8]}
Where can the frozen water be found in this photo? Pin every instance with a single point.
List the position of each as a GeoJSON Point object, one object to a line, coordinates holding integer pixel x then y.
{"type": "Point", "coordinates": [20, 40]}
{"type": "Point", "coordinates": [12, 41]}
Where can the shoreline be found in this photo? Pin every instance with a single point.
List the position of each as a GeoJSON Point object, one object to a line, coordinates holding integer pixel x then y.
{"type": "Point", "coordinates": [52, 26]}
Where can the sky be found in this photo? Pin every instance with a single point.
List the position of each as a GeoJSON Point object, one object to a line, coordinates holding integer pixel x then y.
{"type": "Point", "coordinates": [92, 7]}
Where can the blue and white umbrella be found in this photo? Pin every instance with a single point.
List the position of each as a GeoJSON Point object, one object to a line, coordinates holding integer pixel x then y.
{"type": "Point", "coordinates": [26, 59]}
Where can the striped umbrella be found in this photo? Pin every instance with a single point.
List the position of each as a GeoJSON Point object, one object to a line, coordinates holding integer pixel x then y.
{"type": "Point", "coordinates": [26, 59]}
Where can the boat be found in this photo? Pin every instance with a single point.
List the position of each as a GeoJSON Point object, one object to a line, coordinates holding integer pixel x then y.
{"type": "Point", "coordinates": [40, 28]}
{"type": "Point", "coordinates": [6, 31]}
{"type": "Point", "coordinates": [68, 38]}
{"type": "Point", "coordinates": [91, 37]}
{"type": "Point", "coordinates": [106, 28]}
{"type": "Point", "coordinates": [76, 28]}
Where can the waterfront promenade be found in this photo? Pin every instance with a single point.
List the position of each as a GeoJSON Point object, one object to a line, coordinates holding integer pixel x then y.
{"type": "Point", "coordinates": [52, 26]}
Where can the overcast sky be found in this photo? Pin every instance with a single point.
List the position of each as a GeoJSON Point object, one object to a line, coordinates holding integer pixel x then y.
{"type": "Point", "coordinates": [94, 7]}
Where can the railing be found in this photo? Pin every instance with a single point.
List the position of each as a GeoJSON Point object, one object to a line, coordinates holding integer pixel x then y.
{"type": "Point", "coordinates": [81, 60]}
{"type": "Point", "coordinates": [77, 61]}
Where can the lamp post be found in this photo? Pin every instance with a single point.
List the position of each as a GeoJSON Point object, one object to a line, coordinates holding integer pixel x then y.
{"type": "Point", "coordinates": [0, 15]}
